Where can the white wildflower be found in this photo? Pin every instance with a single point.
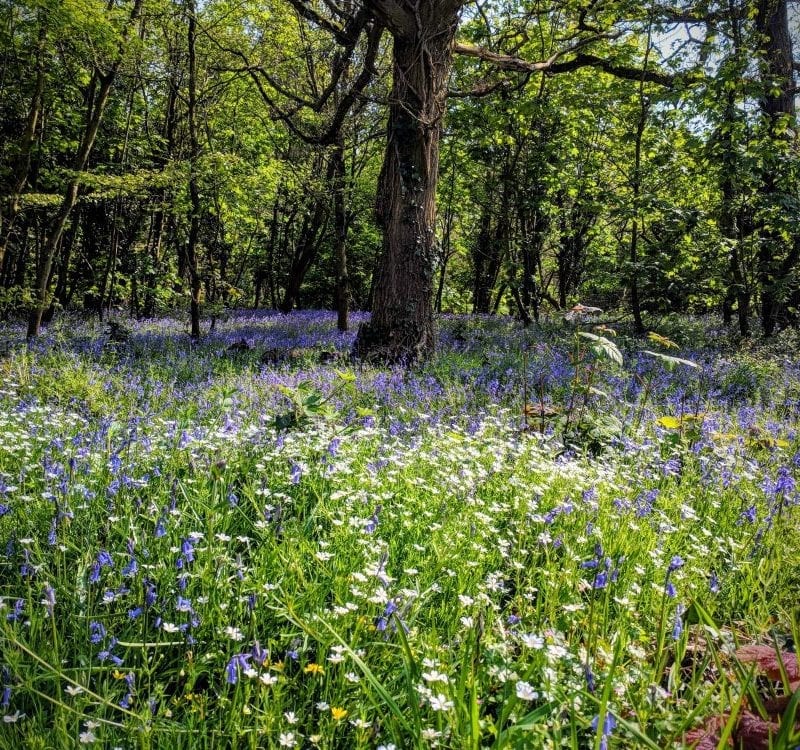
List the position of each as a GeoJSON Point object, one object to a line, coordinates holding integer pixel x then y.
{"type": "Point", "coordinates": [525, 691]}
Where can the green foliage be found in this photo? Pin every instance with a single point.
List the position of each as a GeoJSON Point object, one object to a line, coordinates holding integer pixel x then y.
{"type": "Point", "coordinates": [515, 572]}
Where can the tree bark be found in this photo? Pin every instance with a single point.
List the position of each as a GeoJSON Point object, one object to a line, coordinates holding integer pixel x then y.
{"type": "Point", "coordinates": [68, 202]}
{"type": "Point", "coordinates": [340, 231]}
{"type": "Point", "coordinates": [402, 326]}
{"type": "Point", "coordinates": [777, 104]}
{"type": "Point", "coordinates": [22, 163]}
{"type": "Point", "coordinates": [308, 242]}
{"type": "Point", "coordinates": [194, 188]}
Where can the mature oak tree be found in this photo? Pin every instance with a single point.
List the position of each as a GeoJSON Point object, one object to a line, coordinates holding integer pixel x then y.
{"type": "Point", "coordinates": [423, 34]}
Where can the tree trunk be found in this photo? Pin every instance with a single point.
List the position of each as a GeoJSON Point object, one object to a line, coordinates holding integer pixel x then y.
{"type": "Point", "coordinates": [402, 326]}
{"type": "Point", "coordinates": [446, 251]}
{"type": "Point", "coordinates": [194, 189]}
{"type": "Point", "coordinates": [340, 232]}
{"type": "Point", "coordinates": [22, 162]}
{"type": "Point", "coordinates": [309, 241]}
{"type": "Point", "coordinates": [483, 265]}
{"type": "Point", "coordinates": [636, 188]}
{"type": "Point", "coordinates": [772, 22]}
{"type": "Point", "coordinates": [97, 106]}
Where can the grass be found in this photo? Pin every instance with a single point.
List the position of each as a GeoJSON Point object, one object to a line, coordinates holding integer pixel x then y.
{"type": "Point", "coordinates": [404, 563]}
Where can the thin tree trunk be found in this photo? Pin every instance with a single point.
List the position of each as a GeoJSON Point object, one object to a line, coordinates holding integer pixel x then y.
{"type": "Point", "coordinates": [308, 242]}
{"type": "Point", "coordinates": [772, 21]}
{"type": "Point", "coordinates": [105, 82]}
{"type": "Point", "coordinates": [340, 231]}
{"type": "Point", "coordinates": [22, 162]}
{"type": "Point", "coordinates": [194, 189]}
{"type": "Point", "coordinates": [636, 188]}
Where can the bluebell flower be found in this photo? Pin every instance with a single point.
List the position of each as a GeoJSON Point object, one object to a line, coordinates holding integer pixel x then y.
{"type": "Point", "coordinates": [150, 593]}
{"type": "Point", "coordinates": [590, 681]}
{"type": "Point", "coordinates": [238, 662]}
{"type": "Point", "coordinates": [259, 654]}
{"type": "Point", "coordinates": [49, 600]}
{"type": "Point", "coordinates": [187, 550]}
{"type": "Point", "coordinates": [609, 723]}
{"type": "Point", "coordinates": [97, 632]}
{"type": "Point", "coordinates": [372, 523]}
{"type": "Point", "coordinates": [106, 655]}
{"type": "Point", "coordinates": [26, 570]}
{"type": "Point", "coordinates": [127, 699]}
{"type": "Point", "coordinates": [161, 528]}
{"type": "Point", "coordinates": [16, 611]}
{"type": "Point", "coordinates": [114, 463]}
{"type": "Point", "coordinates": [131, 568]}
{"type": "Point", "coordinates": [675, 563]}
{"type": "Point", "coordinates": [296, 473]}
{"type": "Point", "coordinates": [750, 514]}
{"type": "Point", "coordinates": [601, 580]}
{"type": "Point", "coordinates": [677, 628]}
{"type": "Point", "coordinates": [94, 573]}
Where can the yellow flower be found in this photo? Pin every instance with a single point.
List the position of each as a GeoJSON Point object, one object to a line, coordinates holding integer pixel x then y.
{"type": "Point", "coordinates": [314, 669]}
{"type": "Point", "coordinates": [338, 713]}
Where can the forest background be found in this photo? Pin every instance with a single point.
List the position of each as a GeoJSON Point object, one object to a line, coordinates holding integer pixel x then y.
{"type": "Point", "coordinates": [159, 153]}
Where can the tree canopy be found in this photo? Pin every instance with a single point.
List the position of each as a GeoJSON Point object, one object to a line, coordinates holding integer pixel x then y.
{"type": "Point", "coordinates": [402, 157]}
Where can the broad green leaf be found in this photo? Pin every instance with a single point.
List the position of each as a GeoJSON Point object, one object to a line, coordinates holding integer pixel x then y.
{"type": "Point", "coordinates": [603, 346]}
{"type": "Point", "coordinates": [671, 362]}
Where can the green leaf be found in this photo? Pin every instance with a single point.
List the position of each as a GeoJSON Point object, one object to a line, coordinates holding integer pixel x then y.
{"type": "Point", "coordinates": [603, 346]}
{"type": "Point", "coordinates": [671, 362]}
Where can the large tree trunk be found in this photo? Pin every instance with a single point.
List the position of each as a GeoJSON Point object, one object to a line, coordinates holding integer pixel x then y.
{"type": "Point", "coordinates": [402, 327]}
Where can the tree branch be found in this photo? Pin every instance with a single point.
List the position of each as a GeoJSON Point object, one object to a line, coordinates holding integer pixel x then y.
{"type": "Point", "coordinates": [552, 64]}
{"type": "Point", "coordinates": [393, 16]}
{"type": "Point", "coordinates": [329, 135]}
{"type": "Point", "coordinates": [307, 12]}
